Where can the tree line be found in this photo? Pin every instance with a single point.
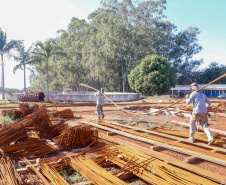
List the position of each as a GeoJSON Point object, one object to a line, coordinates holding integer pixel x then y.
{"type": "Point", "coordinates": [120, 41]}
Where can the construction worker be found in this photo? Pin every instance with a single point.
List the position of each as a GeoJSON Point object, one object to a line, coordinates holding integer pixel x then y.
{"type": "Point", "coordinates": [100, 103]}
{"type": "Point", "coordinates": [199, 114]}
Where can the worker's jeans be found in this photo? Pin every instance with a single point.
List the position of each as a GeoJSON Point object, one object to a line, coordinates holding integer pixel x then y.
{"type": "Point", "coordinates": [203, 120]}
{"type": "Point", "coordinates": [100, 110]}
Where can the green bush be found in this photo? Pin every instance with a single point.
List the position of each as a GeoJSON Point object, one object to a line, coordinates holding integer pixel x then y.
{"type": "Point", "coordinates": [154, 75]}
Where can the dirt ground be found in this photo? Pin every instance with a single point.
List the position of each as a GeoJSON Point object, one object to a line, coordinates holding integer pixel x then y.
{"type": "Point", "coordinates": [85, 112]}
{"type": "Point", "coordinates": [112, 113]}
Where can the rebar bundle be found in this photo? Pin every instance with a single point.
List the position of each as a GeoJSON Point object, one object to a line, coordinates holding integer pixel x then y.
{"type": "Point", "coordinates": [23, 110]}
{"type": "Point", "coordinates": [57, 129]}
{"type": "Point", "coordinates": [67, 113]}
{"type": "Point", "coordinates": [30, 146]}
{"type": "Point", "coordinates": [32, 96]}
{"type": "Point", "coordinates": [37, 121]}
{"type": "Point", "coordinates": [93, 172]}
{"type": "Point", "coordinates": [149, 168]}
{"type": "Point", "coordinates": [13, 113]}
{"type": "Point", "coordinates": [76, 136]}
{"type": "Point", "coordinates": [169, 160]}
{"type": "Point", "coordinates": [8, 174]}
{"type": "Point", "coordinates": [52, 174]}
{"type": "Point", "coordinates": [44, 180]}
{"type": "Point", "coordinates": [203, 153]}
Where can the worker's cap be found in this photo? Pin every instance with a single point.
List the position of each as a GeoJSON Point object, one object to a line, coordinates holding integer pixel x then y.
{"type": "Point", "coordinates": [194, 84]}
{"type": "Point", "coordinates": [102, 89]}
{"type": "Point", "coordinates": [194, 87]}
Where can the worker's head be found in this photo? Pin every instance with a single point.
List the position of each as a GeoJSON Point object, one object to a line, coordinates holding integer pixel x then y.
{"type": "Point", "coordinates": [194, 87]}
{"type": "Point", "coordinates": [102, 90]}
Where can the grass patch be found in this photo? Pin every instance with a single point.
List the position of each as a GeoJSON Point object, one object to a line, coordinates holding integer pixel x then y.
{"type": "Point", "coordinates": [133, 122]}
{"type": "Point", "coordinates": [6, 119]}
{"type": "Point", "coordinates": [178, 128]}
{"type": "Point", "coordinates": [72, 176]}
{"type": "Point", "coordinates": [76, 178]}
{"type": "Point", "coordinates": [149, 125]}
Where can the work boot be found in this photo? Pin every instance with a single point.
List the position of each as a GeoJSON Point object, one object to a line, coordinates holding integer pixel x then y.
{"type": "Point", "coordinates": [191, 139]}
{"type": "Point", "coordinates": [211, 141]}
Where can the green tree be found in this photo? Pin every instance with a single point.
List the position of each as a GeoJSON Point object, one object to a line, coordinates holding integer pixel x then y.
{"type": "Point", "coordinates": [43, 52]}
{"type": "Point", "coordinates": [210, 73]}
{"type": "Point", "coordinates": [154, 75]}
{"type": "Point", "coordinates": [6, 49]}
{"type": "Point", "coordinates": [104, 50]}
{"type": "Point", "coordinates": [24, 58]}
{"type": "Point", "coordinates": [183, 49]}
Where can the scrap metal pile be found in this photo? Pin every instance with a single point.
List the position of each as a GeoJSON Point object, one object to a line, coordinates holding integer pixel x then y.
{"type": "Point", "coordinates": [36, 135]}
{"type": "Point", "coordinates": [33, 136]}
{"type": "Point", "coordinates": [77, 136]}
{"type": "Point", "coordinates": [67, 113]}
{"type": "Point", "coordinates": [32, 96]}
{"type": "Point", "coordinates": [24, 110]}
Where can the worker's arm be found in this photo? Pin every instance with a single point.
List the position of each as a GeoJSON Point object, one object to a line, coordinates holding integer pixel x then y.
{"type": "Point", "coordinates": [207, 101]}
{"type": "Point", "coordinates": [189, 98]}
{"type": "Point", "coordinates": [97, 94]}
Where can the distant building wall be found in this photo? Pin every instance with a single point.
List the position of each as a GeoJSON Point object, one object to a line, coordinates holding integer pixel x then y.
{"type": "Point", "coordinates": [213, 90]}
{"type": "Point", "coordinates": [82, 96]}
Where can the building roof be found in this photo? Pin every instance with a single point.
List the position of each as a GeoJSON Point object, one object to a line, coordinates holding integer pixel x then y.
{"type": "Point", "coordinates": [209, 87]}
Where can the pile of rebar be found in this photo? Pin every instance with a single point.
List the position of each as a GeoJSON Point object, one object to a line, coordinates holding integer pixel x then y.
{"type": "Point", "coordinates": [30, 146]}
{"type": "Point", "coordinates": [147, 167]}
{"type": "Point", "coordinates": [24, 110]}
{"type": "Point", "coordinates": [32, 96]}
{"type": "Point", "coordinates": [57, 128]}
{"type": "Point", "coordinates": [12, 113]}
{"type": "Point", "coordinates": [38, 121]}
{"type": "Point", "coordinates": [8, 174]}
{"type": "Point", "coordinates": [76, 136]}
{"type": "Point", "coordinates": [93, 172]}
{"type": "Point", "coordinates": [67, 113]}
{"type": "Point", "coordinates": [52, 174]}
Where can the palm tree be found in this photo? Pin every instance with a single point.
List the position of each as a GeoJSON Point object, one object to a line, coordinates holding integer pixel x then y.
{"type": "Point", "coordinates": [44, 51]}
{"type": "Point", "coordinates": [5, 49]}
{"type": "Point", "coordinates": [24, 57]}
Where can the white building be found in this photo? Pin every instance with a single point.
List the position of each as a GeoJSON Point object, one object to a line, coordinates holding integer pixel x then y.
{"type": "Point", "coordinates": [213, 90]}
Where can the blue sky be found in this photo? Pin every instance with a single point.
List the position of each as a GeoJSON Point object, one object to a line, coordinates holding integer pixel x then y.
{"type": "Point", "coordinates": [210, 17]}
{"type": "Point", "coordinates": [32, 20]}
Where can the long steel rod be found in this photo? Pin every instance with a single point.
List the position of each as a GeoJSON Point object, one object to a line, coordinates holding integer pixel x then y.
{"type": "Point", "coordinates": [105, 97]}
{"type": "Point", "coordinates": [169, 136]}
{"type": "Point", "coordinates": [174, 148]}
{"type": "Point", "coordinates": [194, 91]}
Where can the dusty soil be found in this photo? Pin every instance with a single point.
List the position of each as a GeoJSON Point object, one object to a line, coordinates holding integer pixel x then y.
{"type": "Point", "coordinates": [84, 112]}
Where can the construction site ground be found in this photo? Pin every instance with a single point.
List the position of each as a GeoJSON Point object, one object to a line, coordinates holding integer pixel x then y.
{"type": "Point", "coordinates": [84, 112]}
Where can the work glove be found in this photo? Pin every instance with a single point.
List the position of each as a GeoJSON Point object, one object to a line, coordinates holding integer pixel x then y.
{"type": "Point", "coordinates": [187, 96]}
